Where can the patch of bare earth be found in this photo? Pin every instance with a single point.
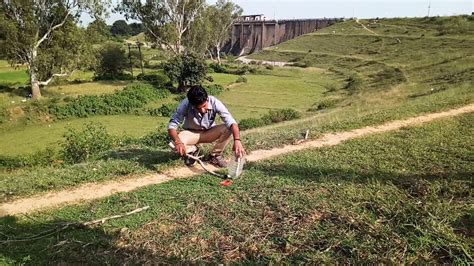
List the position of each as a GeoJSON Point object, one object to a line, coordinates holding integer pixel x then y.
{"type": "Point", "coordinates": [94, 191]}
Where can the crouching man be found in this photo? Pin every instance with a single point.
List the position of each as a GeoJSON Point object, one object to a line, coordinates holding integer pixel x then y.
{"type": "Point", "coordinates": [198, 113]}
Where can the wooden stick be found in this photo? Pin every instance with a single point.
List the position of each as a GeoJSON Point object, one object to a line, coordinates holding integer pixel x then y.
{"type": "Point", "coordinates": [103, 220]}
{"type": "Point", "coordinates": [205, 168]}
{"type": "Point", "coordinates": [67, 225]}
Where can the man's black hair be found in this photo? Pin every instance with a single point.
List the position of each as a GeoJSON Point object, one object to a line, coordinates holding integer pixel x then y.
{"type": "Point", "coordinates": [197, 95]}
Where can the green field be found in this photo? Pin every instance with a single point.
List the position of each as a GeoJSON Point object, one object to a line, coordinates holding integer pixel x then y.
{"type": "Point", "coordinates": [398, 197]}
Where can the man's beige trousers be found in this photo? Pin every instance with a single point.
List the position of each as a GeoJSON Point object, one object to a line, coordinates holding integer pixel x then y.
{"type": "Point", "coordinates": [219, 134]}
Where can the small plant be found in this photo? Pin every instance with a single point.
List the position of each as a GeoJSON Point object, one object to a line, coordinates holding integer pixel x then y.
{"type": "Point", "coordinates": [80, 146]}
{"type": "Point", "coordinates": [158, 139]}
{"type": "Point", "coordinates": [167, 110]}
{"type": "Point", "coordinates": [214, 89]}
{"type": "Point", "coordinates": [273, 116]}
{"type": "Point", "coordinates": [353, 83]}
{"type": "Point", "coordinates": [325, 103]}
{"type": "Point", "coordinates": [218, 68]}
{"type": "Point", "coordinates": [241, 79]}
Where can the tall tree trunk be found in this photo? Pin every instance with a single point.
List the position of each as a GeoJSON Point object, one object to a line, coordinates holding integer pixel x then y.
{"type": "Point", "coordinates": [218, 51]}
{"type": "Point", "coordinates": [35, 88]}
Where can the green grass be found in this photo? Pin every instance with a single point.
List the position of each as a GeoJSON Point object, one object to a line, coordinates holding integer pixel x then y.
{"type": "Point", "coordinates": [281, 88]}
{"type": "Point", "coordinates": [31, 138]}
{"type": "Point", "coordinates": [400, 197]}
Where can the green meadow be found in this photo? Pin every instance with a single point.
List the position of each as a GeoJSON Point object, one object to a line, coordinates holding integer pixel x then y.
{"type": "Point", "coordinates": [403, 196]}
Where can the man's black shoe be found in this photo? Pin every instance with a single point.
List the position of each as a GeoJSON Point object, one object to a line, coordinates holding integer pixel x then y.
{"type": "Point", "coordinates": [189, 161]}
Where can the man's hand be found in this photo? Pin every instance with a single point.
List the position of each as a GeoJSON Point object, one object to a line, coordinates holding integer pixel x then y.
{"type": "Point", "coordinates": [238, 149]}
{"type": "Point", "coordinates": [180, 148]}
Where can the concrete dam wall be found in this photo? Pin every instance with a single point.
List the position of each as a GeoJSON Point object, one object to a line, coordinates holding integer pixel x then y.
{"type": "Point", "coordinates": [251, 33]}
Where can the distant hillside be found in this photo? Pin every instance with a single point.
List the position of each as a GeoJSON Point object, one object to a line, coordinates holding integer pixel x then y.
{"type": "Point", "coordinates": [380, 54]}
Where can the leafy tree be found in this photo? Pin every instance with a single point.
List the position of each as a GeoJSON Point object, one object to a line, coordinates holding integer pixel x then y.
{"type": "Point", "coordinates": [166, 21]}
{"type": "Point", "coordinates": [43, 35]}
{"type": "Point", "coordinates": [120, 28]}
{"type": "Point", "coordinates": [98, 31]}
{"type": "Point", "coordinates": [186, 69]}
{"type": "Point", "coordinates": [221, 17]}
{"type": "Point", "coordinates": [112, 61]}
{"type": "Point", "coordinates": [136, 28]}
{"type": "Point", "coordinates": [198, 38]}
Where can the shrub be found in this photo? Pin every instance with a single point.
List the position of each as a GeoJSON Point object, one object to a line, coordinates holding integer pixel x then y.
{"type": "Point", "coordinates": [249, 123]}
{"type": "Point", "coordinates": [241, 79]}
{"type": "Point", "coordinates": [158, 139]}
{"type": "Point", "coordinates": [80, 146]}
{"type": "Point", "coordinates": [325, 103]}
{"type": "Point", "coordinates": [218, 68]}
{"type": "Point", "coordinates": [125, 101]}
{"type": "Point", "coordinates": [214, 89]}
{"type": "Point", "coordinates": [353, 83]}
{"type": "Point", "coordinates": [280, 115]}
{"type": "Point", "coordinates": [273, 116]}
{"type": "Point", "coordinates": [180, 98]}
{"type": "Point", "coordinates": [186, 69]}
{"type": "Point", "coordinates": [269, 67]}
{"type": "Point", "coordinates": [112, 61]}
{"type": "Point", "coordinates": [155, 78]}
{"type": "Point", "coordinates": [41, 158]}
{"type": "Point", "coordinates": [166, 110]}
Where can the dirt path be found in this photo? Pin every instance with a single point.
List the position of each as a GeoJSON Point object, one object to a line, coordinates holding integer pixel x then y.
{"type": "Point", "coordinates": [246, 60]}
{"type": "Point", "coordinates": [94, 191]}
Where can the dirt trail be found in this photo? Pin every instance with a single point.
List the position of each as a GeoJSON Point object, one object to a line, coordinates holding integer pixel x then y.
{"type": "Point", "coordinates": [94, 191]}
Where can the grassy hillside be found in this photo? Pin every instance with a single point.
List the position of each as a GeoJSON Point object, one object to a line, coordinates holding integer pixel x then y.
{"type": "Point", "coordinates": [399, 197]}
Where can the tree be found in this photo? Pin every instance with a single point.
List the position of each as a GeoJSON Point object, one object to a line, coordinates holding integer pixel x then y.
{"type": "Point", "coordinates": [98, 31]}
{"type": "Point", "coordinates": [112, 61]}
{"type": "Point", "coordinates": [166, 21]}
{"type": "Point", "coordinates": [198, 38]}
{"type": "Point", "coordinates": [187, 69]}
{"type": "Point", "coordinates": [221, 17]}
{"type": "Point", "coordinates": [33, 27]}
{"type": "Point", "coordinates": [120, 28]}
{"type": "Point", "coordinates": [136, 28]}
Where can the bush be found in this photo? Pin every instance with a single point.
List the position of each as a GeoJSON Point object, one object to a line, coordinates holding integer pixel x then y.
{"type": "Point", "coordinates": [241, 79]}
{"type": "Point", "coordinates": [125, 101]}
{"type": "Point", "coordinates": [155, 78]}
{"type": "Point", "coordinates": [41, 158]}
{"type": "Point", "coordinates": [112, 61]}
{"type": "Point", "coordinates": [353, 83]}
{"type": "Point", "coordinates": [273, 116]}
{"type": "Point", "coordinates": [186, 69]}
{"type": "Point", "coordinates": [218, 68]}
{"type": "Point", "coordinates": [180, 98]}
{"type": "Point", "coordinates": [249, 123]}
{"type": "Point", "coordinates": [158, 139]}
{"type": "Point", "coordinates": [80, 146]}
{"type": "Point", "coordinates": [214, 89]}
{"type": "Point", "coordinates": [325, 103]}
{"type": "Point", "coordinates": [269, 67]}
{"type": "Point", "coordinates": [166, 110]}
{"type": "Point", "coordinates": [276, 116]}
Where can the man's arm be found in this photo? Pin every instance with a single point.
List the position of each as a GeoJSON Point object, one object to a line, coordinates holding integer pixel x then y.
{"type": "Point", "coordinates": [238, 148]}
{"type": "Point", "coordinates": [176, 119]}
{"type": "Point", "coordinates": [178, 144]}
{"type": "Point", "coordinates": [230, 122]}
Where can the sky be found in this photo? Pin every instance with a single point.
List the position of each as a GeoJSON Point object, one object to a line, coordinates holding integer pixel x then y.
{"type": "Point", "coordinates": [291, 9]}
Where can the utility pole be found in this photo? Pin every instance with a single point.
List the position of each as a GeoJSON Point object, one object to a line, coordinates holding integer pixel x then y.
{"type": "Point", "coordinates": [140, 52]}
{"type": "Point", "coordinates": [130, 59]}
{"type": "Point", "coordinates": [429, 7]}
